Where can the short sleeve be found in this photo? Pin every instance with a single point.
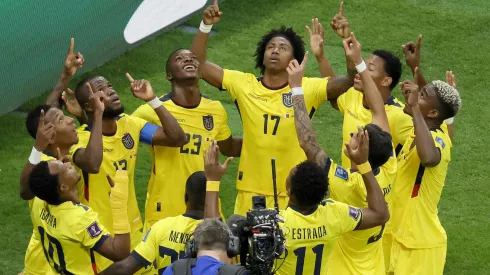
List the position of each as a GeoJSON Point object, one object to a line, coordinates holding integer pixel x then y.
{"type": "Point", "coordinates": [90, 232]}
{"type": "Point", "coordinates": [439, 140]}
{"type": "Point", "coordinates": [224, 131]}
{"type": "Point", "coordinates": [315, 90]}
{"type": "Point", "coordinates": [83, 138]}
{"type": "Point", "coordinates": [146, 113]}
{"type": "Point", "coordinates": [145, 251]}
{"type": "Point", "coordinates": [348, 217]}
{"type": "Point", "coordinates": [341, 101]}
{"type": "Point", "coordinates": [234, 82]}
{"type": "Point", "coordinates": [403, 129]}
{"type": "Point", "coordinates": [342, 183]}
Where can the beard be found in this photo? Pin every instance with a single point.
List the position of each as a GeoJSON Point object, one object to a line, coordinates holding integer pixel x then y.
{"type": "Point", "coordinates": [112, 113]}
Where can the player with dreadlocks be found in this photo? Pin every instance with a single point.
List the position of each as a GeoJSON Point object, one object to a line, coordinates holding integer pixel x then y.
{"type": "Point", "coordinates": [265, 106]}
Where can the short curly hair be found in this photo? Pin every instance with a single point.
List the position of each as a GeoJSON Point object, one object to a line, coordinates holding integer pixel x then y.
{"type": "Point", "coordinates": [32, 120]}
{"type": "Point", "coordinates": [449, 99]}
{"type": "Point", "coordinates": [309, 184]}
{"type": "Point", "coordinates": [392, 66]}
{"type": "Point", "coordinates": [380, 145]}
{"type": "Point", "coordinates": [288, 33]}
{"type": "Point", "coordinates": [44, 185]}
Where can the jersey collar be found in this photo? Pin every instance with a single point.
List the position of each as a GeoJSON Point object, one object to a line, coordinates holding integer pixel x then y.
{"type": "Point", "coordinates": [294, 208]}
{"type": "Point", "coordinates": [260, 79]}
{"type": "Point", "coordinates": [187, 215]}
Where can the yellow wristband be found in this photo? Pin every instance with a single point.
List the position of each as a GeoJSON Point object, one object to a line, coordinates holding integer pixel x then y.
{"type": "Point", "coordinates": [212, 186]}
{"type": "Point", "coordinates": [364, 168]}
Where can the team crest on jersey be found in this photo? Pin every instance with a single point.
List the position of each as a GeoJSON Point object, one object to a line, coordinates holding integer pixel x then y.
{"type": "Point", "coordinates": [94, 230]}
{"type": "Point", "coordinates": [208, 122]}
{"type": "Point", "coordinates": [287, 100]}
{"type": "Point", "coordinates": [128, 141]}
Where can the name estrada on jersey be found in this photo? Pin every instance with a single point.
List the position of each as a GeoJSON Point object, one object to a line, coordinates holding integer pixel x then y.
{"type": "Point", "coordinates": [359, 252]}
{"type": "Point", "coordinates": [120, 152]}
{"type": "Point", "coordinates": [165, 241]}
{"type": "Point", "coordinates": [172, 166]}
{"type": "Point", "coordinates": [268, 123]}
{"type": "Point", "coordinates": [68, 232]}
{"type": "Point", "coordinates": [310, 237]}
{"type": "Point", "coordinates": [417, 193]}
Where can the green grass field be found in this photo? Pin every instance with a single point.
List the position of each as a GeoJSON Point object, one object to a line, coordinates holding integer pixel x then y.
{"type": "Point", "coordinates": [454, 38]}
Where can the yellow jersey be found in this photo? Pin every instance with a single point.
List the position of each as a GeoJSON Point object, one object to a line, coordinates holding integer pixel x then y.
{"type": "Point", "coordinates": [310, 237]}
{"type": "Point", "coordinates": [172, 166]}
{"type": "Point", "coordinates": [417, 193]}
{"type": "Point", "coordinates": [355, 114]}
{"type": "Point", "coordinates": [68, 233]}
{"type": "Point", "coordinates": [268, 128]}
{"type": "Point", "coordinates": [361, 251]}
{"type": "Point", "coordinates": [165, 241]}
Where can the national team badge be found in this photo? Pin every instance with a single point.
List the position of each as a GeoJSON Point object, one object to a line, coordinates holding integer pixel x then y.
{"type": "Point", "coordinates": [208, 122]}
{"type": "Point", "coordinates": [94, 230]}
{"type": "Point", "coordinates": [128, 141]}
{"type": "Point", "coordinates": [287, 100]}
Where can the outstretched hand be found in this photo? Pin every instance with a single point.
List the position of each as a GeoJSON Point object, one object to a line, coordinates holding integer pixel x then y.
{"type": "Point", "coordinates": [352, 49]}
{"type": "Point", "coordinates": [212, 15]}
{"type": "Point", "coordinates": [316, 37]}
{"type": "Point", "coordinates": [45, 135]}
{"type": "Point", "coordinates": [412, 53]}
{"type": "Point", "coordinates": [71, 103]}
{"type": "Point", "coordinates": [358, 147]}
{"type": "Point", "coordinates": [339, 24]}
{"type": "Point", "coordinates": [73, 61]}
{"type": "Point", "coordinates": [296, 71]}
{"type": "Point", "coordinates": [213, 169]}
{"type": "Point", "coordinates": [141, 88]}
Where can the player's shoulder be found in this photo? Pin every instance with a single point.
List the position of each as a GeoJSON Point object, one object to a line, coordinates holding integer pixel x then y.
{"type": "Point", "coordinates": [238, 75]}
{"type": "Point", "coordinates": [395, 103]}
{"type": "Point", "coordinates": [441, 137]}
{"type": "Point", "coordinates": [45, 157]}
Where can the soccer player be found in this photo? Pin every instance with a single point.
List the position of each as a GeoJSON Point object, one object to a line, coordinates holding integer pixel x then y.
{"type": "Point", "coordinates": [357, 252]}
{"type": "Point", "coordinates": [68, 230]}
{"type": "Point", "coordinates": [165, 241]}
{"type": "Point", "coordinates": [420, 243]}
{"type": "Point", "coordinates": [121, 137]}
{"type": "Point", "coordinates": [202, 119]}
{"type": "Point", "coordinates": [265, 106]}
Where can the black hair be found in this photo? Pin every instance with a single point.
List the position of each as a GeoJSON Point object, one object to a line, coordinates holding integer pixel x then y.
{"type": "Point", "coordinates": [392, 66]}
{"type": "Point", "coordinates": [380, 145]}
{"type": "Point", "coordinates": [32, 120]}
{"type": "Point", "coordinates": [44, 185]}
{"type": "Point", "coordinates": [309, 184]}
{"type": "Point", "coordinates": [81, 94]}
{"type": "Point", "coordinates": [288, 33]}
{"type": "Point", "coordinates": [195, 190]}
{"type": "Point", "coordinates": [169, 59]}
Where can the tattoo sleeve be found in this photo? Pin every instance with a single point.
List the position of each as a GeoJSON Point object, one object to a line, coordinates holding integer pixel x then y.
{"type": "Point", "coordinates": [306, 135]}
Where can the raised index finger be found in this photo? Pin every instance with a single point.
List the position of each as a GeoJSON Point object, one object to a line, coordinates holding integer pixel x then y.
{"type": "Point", "coordinates": [90, 90]}
{"type": "Point", "coordinates": [341, 9]}
{"type": "Point", "coordinates": [41, 119]}
{"type": "Point", "coordinates": [72, 45]}
{"type": "Point", "coordinates": [215, 2]}
{"type": "Point", "coordinates": [129, 78]}
{"type": "Point", "coordinates": [416, 75]}
{"type": "Point", "coordinates": [305, 60]}
{"type": "Point", "coordinates": [419, 41]}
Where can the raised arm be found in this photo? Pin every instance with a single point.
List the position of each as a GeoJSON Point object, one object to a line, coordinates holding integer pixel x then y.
{"type": "Point", "coordinates": [371, 93]}
{"type": "Point", "coordinates": [89, 158]}
{"type": "Point", "coordinates": [317, 47]}
{"type": "Point", "coordinates": [377, 212]}
{"type": "Point", "coordinates": [45, 135]}
{"type": "Point", "coordinates": [412, 58]}
{"type": "Point", "coordinates": [170, 134]}
{"type": "Point", "coordinates": [427, 151]}
{"type": "Point", "coordinates": [214, 171]}
{"type": "Point", "coordinates": [211, 73]}
{"type": "Point", "coordinates": [72, 63]}
{"type": "Point", "coordinates": [117, 248]}
{"type": "Point", "coordinates": [304, 128]}
{"type": "Point", "coordinates": [451, 80]}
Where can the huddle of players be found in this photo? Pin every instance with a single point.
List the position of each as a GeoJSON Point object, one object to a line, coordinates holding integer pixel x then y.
{"type": "Point", "coordinates": [383, 165]}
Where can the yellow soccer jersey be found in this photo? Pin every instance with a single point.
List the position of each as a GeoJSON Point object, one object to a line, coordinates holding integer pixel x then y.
{"type": "Point", "coordinates": [67, 234]}
{"type": "Point", "coordinates": [355, 114]}
{"type": "Point", "coordinates": [165, 241]}
{"type": "Point", "coordinates": [310, 237]}
{"type": "Point", "coordinates": [268, 128]}
{"type": "Point", "coordinates": [359, 252]}
{"type": "Point", "coordinates": [417, 193]}
{"type": "Point", "coordinates": [172, 166]}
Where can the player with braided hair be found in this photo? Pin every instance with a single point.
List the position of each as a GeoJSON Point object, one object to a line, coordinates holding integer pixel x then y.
{"type": "Point", "coordinates": [420, 243]}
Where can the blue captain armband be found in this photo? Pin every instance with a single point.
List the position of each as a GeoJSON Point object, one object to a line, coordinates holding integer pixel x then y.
{"type": "Point", "coordinates": [147, 132]}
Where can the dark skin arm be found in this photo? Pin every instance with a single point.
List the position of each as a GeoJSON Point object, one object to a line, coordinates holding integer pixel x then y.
{"type": "Point", "coordinates": [412, 58]}
{"type": "Point", "coordinates": [170, 134]}
{"type": "Point", "coordinates": [317, 48]}
{"type": "Point", "coordinates": [125, 267]}
{"type": "Point", "coordinates": [231, 147]}
{"type": "Point", "coordinates": [117, 248]}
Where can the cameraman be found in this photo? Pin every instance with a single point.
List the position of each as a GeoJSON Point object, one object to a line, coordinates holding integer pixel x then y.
{"type": "Point", "coordinates": [212, 244]}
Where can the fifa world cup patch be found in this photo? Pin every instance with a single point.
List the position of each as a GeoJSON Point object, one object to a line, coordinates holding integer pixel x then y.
{"type": "Point", "coordinates": [208, 122]}
{"type": "Point", "coordinates": [94, 230]}
{"type": "Point", "coordinates": [441, 142]}
{"type": "Point", "coordinates": [146, 235]}
{"type": "Point", "coordinates": [340, 172]}
{"type": "Point", "coordinates": [128, 141]}
{"type": "Point", "coordinates": [354, 212]}
{"type": "Point", "coordinates": [287, 100]}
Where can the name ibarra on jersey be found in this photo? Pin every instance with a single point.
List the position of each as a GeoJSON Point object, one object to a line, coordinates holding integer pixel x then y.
{"type": "Point", "coordinates": [309, 233]}
{"type": "Point", "coordinates": [46, 216]}
{"type": "Point", "coordinates": [179, 237]}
